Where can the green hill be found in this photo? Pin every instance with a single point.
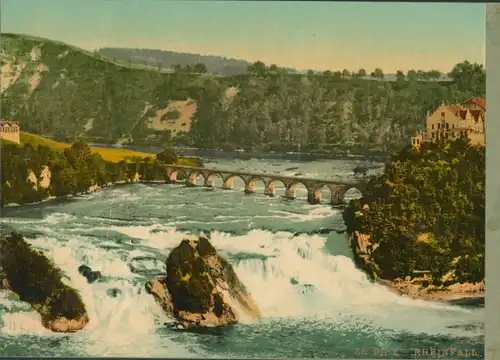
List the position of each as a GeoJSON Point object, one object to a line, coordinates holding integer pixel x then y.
{"type": "Point", "coordinates": [66, 93]}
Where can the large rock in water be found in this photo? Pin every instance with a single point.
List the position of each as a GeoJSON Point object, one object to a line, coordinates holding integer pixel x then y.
{"type": "Point", "coordinates": [36, 280]}
{"type": "Point", "coordinates": [201, 289]}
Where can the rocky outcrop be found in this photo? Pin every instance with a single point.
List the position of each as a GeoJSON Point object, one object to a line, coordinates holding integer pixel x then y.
{"type": "Point", "coordinates": [200, 288]}
{"type": "Point", "coordinates": [36, 280]}
{"type": "Point", "coordinates": [417, 286]}
{"type": "Point", "coordinates": [91, 276]}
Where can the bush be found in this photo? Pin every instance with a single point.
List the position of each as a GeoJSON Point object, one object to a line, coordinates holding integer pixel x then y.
{"type": "Point", "coordinates": [167, 156]}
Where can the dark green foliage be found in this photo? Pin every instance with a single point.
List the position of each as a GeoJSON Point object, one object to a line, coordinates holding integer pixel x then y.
{"type": "Point", "coordinates": [73, 171]}
{"type": "Point", "coordinates": [274, 109]}
{"type": "Point", "coordinates": [167, 156]}
{"type": "Point", "coordinates": [188, 279]}
{"type": "Point", "coordinates": [36, 280]}
{"type": "Point", "coordinates": [439, 191]}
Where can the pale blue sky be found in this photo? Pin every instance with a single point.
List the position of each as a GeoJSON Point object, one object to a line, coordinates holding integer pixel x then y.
{"type": "Point", "coordinates": [304, 35]}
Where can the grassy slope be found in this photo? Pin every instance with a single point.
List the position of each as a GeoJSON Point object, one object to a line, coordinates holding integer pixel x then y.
{"type": "Point", "coordinates": [108, 154]}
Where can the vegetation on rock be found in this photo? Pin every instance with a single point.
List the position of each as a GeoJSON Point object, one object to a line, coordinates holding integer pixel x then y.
{"type": "Point", "coordinates": [198, 286]}
{"type": "Point", "coordinates": [36, 280]}
{"type": "Point", "coordinates": [425, 212]}
{"type": "Point", "coordinates": [188, 280]}
{"type": "Point", "coordinates": [83, 95]}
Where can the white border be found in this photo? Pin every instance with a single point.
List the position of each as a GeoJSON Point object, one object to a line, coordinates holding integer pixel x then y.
{"type": "Point", "coordinates": [492, 307]}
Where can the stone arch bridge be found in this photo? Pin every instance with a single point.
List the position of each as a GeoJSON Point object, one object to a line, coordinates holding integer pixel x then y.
{"type": "Point", "coordinates": [313, 186]}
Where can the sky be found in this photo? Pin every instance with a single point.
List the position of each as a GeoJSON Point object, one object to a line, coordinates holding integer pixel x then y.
{"type": "Point", "coordinates": [302, 35]}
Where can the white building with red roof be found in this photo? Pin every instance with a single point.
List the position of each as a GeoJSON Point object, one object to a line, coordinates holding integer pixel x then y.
{"type": "Point", "coordinates": [466, 119]}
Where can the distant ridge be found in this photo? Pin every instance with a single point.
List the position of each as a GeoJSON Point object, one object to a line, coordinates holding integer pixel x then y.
{"type": "Point", "coordinates": [165, 60]}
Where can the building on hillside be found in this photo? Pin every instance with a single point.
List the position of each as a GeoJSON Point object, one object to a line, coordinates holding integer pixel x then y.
{"type": "Point", "coordinates": [466, 119]}
{"type": "Point", "coordinates": [9, 130]}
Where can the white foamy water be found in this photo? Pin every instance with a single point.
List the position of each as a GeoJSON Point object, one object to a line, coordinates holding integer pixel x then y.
{"type": "Point", "coordinates": [295, 277]}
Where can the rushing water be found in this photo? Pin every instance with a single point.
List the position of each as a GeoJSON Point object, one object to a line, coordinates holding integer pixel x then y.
{"type": "Point", "coordinates": [314, 302]}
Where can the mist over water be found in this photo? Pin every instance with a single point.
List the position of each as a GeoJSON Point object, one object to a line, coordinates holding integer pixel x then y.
{"type": "Point", "coordinates": [314, 302]}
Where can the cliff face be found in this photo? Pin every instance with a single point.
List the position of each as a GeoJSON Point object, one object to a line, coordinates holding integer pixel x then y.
{"type": "Point", "coordinates": [42, 181]}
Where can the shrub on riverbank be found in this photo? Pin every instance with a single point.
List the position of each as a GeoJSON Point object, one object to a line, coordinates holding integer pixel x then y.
{"type": "Point", "coordinates": [73, 170]}
{"type": "Point", "coordinates": [426, 212]}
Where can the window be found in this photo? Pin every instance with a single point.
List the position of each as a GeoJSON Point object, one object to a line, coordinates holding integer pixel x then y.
{"type": "Point", "coordinates": [413, 141]}
{"type": "Point", "coordinates": [432, 126]}
{"type": "Point", "coordinates": [452, 126]}
{"type": "Point", "coordinates": [442, 114]}
{"type": "Point", "coordinates": [418, 141]}
{"type": "Point", "coordinates": [447, 126]}
{"type": "Point", "coordinates": [433, 135]}
{"type": "Point", "coordinates": [439, 126]}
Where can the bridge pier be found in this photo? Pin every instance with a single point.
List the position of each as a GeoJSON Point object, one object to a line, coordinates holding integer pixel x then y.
{"type": "Point", "coordinates": [290, 193]}
{"type": "Point", "coordinates": [209, 182]}
{"type": "Point", "coordinates": [313, 197]}
{"type": "Point", "coordinates": [269, 190]}
{"type": "Point", "coordinates": [172, 177]}
{"type": "Point", "coordinates": [191, 180]}
{"type": "Point", "coordinates": [336, 199]}
{"type": "Point", "coordinates": [250, 187]}
{"type": "Point", "coordinates": [227, 184]}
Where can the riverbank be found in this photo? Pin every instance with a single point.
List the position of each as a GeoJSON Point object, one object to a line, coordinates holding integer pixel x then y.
{"type": "Point", "coordinates": [466, 294]}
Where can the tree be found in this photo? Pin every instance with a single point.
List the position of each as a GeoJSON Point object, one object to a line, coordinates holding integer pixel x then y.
{"type": "Point", "coordinates": [400, 76]}
{"type": "Point", "coordinates": [412, 75]}
{"type": "Point", "coordinates": [378, 74]}
{"type": "Point", "coordinates": [361, 72]}
{"type": "Point", "coordinates": [468, 76]}
{"type": "Point", "coordinates": [434, 75]}
{"type": "Point", "coordinates": [200, 68]}
{"type": "Point", "coordinates": [167, 156]}
{"type": "Point", "coordinates": [345, 73]}
{"type": "Point", "coordinates": [258, 68]}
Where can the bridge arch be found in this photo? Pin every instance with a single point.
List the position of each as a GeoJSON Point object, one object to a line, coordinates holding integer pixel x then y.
{"type": "Point", "coordinates": [193, 176]}
{"type": "Point", "coordinates": [228, 180]}
{"type": "Point", "coordinates": [252, 181]}
{"type": "Point", "coordinates": [343, 194]}
{"type": "Point", "coordinates": [210, 178]}
{"type": "Point", "coordinates": [291, 188]}
{"type": "Point", "coordinates": [272, 184]}
{"type": "Point", "coordinates": [174, 174]}
{"type": "Point", "coordinates": [316, 194]}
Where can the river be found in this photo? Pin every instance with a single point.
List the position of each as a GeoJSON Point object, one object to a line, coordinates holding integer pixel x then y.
{"type": "Point", "coordinates": [289, 254]}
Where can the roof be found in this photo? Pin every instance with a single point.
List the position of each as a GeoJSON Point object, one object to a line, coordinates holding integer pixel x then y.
{"type": "Point", "coordinates": [9, 122]}
{"type": "Point", "coordinates": [478, 101]}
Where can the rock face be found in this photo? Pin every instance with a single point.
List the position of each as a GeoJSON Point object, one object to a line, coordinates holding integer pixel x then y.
{"type": "Point", "coordinates": [201, 288]}
{"type": "Point", "coordinates": [36, 280]}
{"type": "Point", "coordinates": [416, 287]}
